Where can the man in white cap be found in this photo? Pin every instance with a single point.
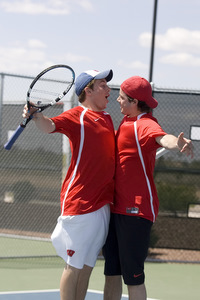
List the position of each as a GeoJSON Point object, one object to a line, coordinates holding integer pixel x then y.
{"type": "Point", "coordinates": [88, 187]}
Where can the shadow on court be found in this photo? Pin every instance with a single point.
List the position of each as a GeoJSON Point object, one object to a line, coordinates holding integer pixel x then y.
{"type": "Point", "coordinates": [50, 295]}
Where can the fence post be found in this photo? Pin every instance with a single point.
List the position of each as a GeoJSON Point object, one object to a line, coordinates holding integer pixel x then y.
{"type": "Point", "coordinates": [1, 103]}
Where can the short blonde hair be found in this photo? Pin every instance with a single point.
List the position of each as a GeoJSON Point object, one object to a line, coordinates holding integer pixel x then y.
{"type": "Point", "coordinates": [82, 96]}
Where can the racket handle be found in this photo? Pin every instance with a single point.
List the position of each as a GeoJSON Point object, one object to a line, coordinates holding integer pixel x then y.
{"type": "Point", "coordinates": [13, 138]}
{"type": "Point", "coordinates": [161, 152]}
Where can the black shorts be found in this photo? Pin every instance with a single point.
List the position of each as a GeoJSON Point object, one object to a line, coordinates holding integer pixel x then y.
{"type": "Point", "coordinates": [126, 248]}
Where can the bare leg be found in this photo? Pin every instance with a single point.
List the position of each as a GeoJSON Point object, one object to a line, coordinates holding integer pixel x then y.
{"type": "Point", "coordinates": [113, 288]}
{"type": "Point", "coordinates": [83, 281]}
{"type": "Point", "coordinates": [137, 292]}
{"type": "Point", "coordinates": [68, 283]}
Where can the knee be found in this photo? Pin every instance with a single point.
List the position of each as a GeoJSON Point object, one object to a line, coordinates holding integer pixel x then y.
{"type": "Point", "coordinates": [113, 280]}
{"type": "Point", "coordinates": [137, 291]}
{"type": "Point", "coordinates": [113, 288]}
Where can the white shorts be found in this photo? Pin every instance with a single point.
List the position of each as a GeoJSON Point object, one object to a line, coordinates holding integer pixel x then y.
{"type": "Point", "coordinates": [79, 239]}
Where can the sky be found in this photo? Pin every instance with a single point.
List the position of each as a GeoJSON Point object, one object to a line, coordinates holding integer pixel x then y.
{"type": "Point", "coordinates": [101, 35]}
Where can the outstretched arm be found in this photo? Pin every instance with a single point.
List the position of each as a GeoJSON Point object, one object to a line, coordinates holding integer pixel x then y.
{"type": "Point", "coordinates": [180, 143]}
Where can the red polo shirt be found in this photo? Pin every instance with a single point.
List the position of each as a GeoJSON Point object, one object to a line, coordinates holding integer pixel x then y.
{"type": "Point", "coordinates": [89, 182]}
{"type": "Point", "coordinates": [135, 191]}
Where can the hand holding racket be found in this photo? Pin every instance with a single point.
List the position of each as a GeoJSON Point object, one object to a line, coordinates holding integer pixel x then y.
{"type": "Point", "coordinates": [47, 89]}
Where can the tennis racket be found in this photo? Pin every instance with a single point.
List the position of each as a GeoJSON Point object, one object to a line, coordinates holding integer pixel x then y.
{"type": "Point", "coordinates": [47, 89]}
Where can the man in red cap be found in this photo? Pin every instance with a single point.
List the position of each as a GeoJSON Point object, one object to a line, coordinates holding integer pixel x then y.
{"type": "Point", "coordinates": [136, 202]}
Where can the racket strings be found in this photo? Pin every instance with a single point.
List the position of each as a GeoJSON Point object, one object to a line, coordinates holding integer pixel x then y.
{"type": "Point", "coordinates": [46, 94]}
{"type": "Point", "coordinates": [40, 99]}
{"type": "Point", "coordinates": [65, 82]}
{"type": "Point", "coordinates": [51, 85]}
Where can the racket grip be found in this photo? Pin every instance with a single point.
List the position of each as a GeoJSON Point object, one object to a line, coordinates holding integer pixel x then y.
{"type": "Point", "coordinates": [161, 152]}
{"type": "Point", "coordinates": [13, 138]}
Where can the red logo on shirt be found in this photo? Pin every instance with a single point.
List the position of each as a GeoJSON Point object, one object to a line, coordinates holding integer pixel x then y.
{"type": "Point", "coordinates": [70, 252]}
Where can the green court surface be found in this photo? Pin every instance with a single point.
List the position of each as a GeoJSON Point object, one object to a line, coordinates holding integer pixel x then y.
{"type": "Point", "coordinates": [164, 281]}
{"type": "Point", "coordinates": [24, 246]}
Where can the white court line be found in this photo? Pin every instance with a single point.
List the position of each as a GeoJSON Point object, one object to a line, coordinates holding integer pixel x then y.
{"type": "Point", "coordinates": [123, 295]}
{"type": "Point", "coordinates": [56, 290]}
{"type": "Point", "coordinates": [28, 292]}
{"type": "Point", "coordinates": [24, 237]}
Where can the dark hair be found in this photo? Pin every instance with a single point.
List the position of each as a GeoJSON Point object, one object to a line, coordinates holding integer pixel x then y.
{"type": "Point", "coordinates": [143, 107]}
{"type": "Point", "coordinates": [81, 97]}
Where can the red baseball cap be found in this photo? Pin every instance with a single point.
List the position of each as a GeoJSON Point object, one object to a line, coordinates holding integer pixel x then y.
{"type": "Point", "coordinates": [139, 88]}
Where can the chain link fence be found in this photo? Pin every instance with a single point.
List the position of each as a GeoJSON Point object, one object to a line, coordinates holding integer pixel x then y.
{"type": "Point", "coordinates": [31, 175]}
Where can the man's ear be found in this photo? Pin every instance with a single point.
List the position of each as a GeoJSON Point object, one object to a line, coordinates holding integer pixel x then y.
{"type": "Point", "coordinates": [88, 90]}
{"type": "Point", "coordinates": [135, 101]}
